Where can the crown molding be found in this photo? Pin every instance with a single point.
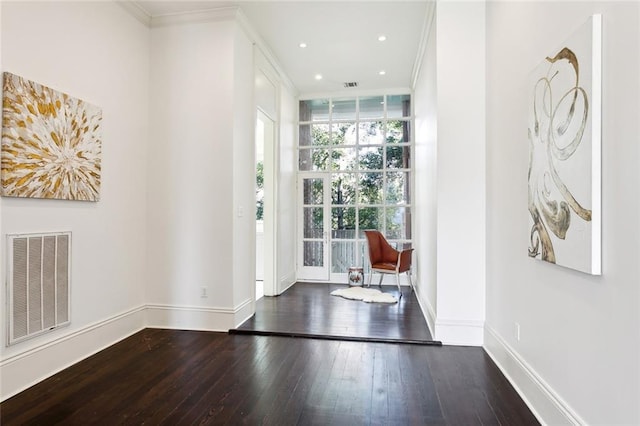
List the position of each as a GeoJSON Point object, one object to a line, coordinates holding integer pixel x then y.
{"type": "Point", "coordinates": [258, 42]}
{"type": "Point", "coordinates": [429, 20]}
{"type": "Point", "coordinates": [208, 15]}
{"type": "Point", "coordinates": [228, 13]}
{"type": "Point", "coordinates": [136, 11]}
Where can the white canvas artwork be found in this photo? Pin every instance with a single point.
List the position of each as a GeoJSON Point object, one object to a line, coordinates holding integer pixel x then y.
{"type": "Point", "coordinates": [564, 152]}
{"type": "Point", "coordinates": [51, 143]}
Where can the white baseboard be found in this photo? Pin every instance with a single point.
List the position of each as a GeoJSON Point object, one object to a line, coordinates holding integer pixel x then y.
{"type": "Point", "coordinates": [243, 312]}
{"type": "Point", "coordinates": [21, 371]}
{"type": "Point", "coordinates": [197, 317]}
{"type": "Point", "coordinates": [427, 311]}
{"type": "Point", "coordinates": [543, 401]}
{"type": "Point", "coordinates": [459, 332]}
{"type": "Point", "coordinates": [286, 282]}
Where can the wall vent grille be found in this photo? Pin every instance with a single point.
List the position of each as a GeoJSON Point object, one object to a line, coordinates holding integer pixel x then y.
{"type": "Point", "coordinates": [38, 284]}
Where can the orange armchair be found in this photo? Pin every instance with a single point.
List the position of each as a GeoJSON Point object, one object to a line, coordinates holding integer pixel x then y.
{"type": "Point", "coordinates": [385, 259]}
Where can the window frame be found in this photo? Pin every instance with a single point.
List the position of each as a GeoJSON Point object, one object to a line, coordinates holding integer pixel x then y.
{"type": "Point", "coordinates": [358, 238]}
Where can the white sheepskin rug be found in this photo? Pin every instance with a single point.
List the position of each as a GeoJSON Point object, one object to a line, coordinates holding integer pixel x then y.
{"type": "Point", "coordinates": [369, 295]}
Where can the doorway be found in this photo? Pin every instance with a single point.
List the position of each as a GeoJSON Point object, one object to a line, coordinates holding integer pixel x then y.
{"type": "Point", "coordinates": [314, 223]}
{"type": "Point", "coordinates": [265, 235]}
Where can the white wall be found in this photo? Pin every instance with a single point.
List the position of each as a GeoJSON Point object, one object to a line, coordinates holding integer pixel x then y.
{"type": "Point", "coordinates": [244, 181]}
{"type": "Point", "coordinates": [460, 80]}
{"type": "Point", "coordinates": [578, 357]}
{"type": "Point", "coordinates": [286, 187]}
{"type": "Point", "coordinates": [191, 175]}
{"type": "Point", "coordinates": [425, 102]}
{"type": "Point", "coordinates": [73, 47]}
{"type": "Point", "coordinates": [175, 215]}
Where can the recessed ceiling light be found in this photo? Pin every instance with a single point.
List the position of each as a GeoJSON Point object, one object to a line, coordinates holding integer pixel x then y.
{"type": "Point", "coordinates": [382, 72]}
{"type": "Point", "coordinates": [303, 45]}
{"type": "Point", "coordinates": [318, 76]}
{"type": "Point", "coordinates": [382, 38]}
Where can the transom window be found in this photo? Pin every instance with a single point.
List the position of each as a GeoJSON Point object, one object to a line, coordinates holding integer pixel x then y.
{"type": "Point", "coordinates": [364, 145]}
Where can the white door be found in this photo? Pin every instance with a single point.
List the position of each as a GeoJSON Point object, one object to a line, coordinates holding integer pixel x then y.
{"type": "Point", "coordinates": [313, 226]}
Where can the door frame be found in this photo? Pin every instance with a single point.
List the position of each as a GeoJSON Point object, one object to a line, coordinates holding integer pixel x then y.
{"type": "Point", "coordinates": [314, 273]}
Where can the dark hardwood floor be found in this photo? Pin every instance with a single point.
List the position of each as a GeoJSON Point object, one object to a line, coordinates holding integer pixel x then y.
{"type": "Point", "coordinates": [169, 377]}
{"type": "Point", "coordinates": [309, 310]}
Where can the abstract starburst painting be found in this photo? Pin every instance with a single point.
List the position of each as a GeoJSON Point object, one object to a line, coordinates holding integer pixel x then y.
{"type": "Point", "coordinates": [564, 153]}
{"type": "Point", "coordinates": [51, 143]}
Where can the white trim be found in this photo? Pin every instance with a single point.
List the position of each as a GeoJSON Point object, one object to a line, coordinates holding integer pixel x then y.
{"type": "Point", "coordinates": [27, 368]}
{"type": "Point", "coordinates": [136, 11]}
{"type": "Point", "coordinates": [459, 332]}
{"type": "Point", "coordinates": [209, 15]}
{"type": "Point", "coordinates": [180, 317]}
{"type": "Point", "coordinates": [429, 19]}
{"type": "Point", "coordinates": [543, 401]}
{"type": "Point", "coordinates": [243, 312]}
{"type": "Point", "coordinates": [353, 93]}
{"type": "Point", "coordinates": [596, 145]}
{"type": "Point", "coordinates": [428, 312]}
{"type": "Point", "coordinates": [261, 45]}
{"type": "Point", "coordinates": [286, 282]}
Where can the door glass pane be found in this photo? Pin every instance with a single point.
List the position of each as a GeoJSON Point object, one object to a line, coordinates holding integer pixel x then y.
{"type": "Point", "coordinates": [313, 222]}
{"type": "Point", "coordinates": [398, 223]}
{"type": "Point", "coordinates": [397, 188]}
{"type": "Point", "coordinates": [314, 110]}
{"type": "Point", "coordinates": [371, 107]}
{"type": "Point", "coordinates": [313, 191]}
{"type": "Point", "coordinates": [343, 188]}
{"type": "Point", "coordinates": [343, 256]}
{"type": "Point", "coordinates": [343, 223]}
{"type": "Point", "coordinates": [313, 253]}
{"type": "Point", "coordinates": [369, 218]}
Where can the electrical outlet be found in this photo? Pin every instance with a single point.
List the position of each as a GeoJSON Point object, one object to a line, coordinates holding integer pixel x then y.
{"type": "Point", "coordinates": [203, 292]}
{"type": "Point", "coordinates": [517, 330]}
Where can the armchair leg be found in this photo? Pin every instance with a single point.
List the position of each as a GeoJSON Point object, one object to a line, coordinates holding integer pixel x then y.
{"type": "Point", "coordinates": [370, 277]}
{"type": "Point", "coordinates": [410, 279]}
{"type": "Point", "coordinates": [398, 282]}
{"type": "Point", "coordinates": [380, 282]}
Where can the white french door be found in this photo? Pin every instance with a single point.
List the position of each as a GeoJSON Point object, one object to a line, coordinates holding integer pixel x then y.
{"type": "Point", "coordinates": [314, 199]}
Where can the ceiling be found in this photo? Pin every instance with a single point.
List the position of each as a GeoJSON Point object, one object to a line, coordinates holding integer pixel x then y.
{"type": "Point", "coordinates": [341, 37]}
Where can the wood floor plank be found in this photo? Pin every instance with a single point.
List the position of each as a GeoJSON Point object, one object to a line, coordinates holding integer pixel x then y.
{"type": "Point", "coordinates": [184, 377]}
{"type": "Point", "coordinates": [309, 309]}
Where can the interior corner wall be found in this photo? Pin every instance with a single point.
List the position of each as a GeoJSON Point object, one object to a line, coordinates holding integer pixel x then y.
{"type": "Point", "coordinates": [244, 183]}
{"type": "Point", "coordinates": [425, 100]}
{"type": "Point", "coordinates": [578, 356]}
{"type": "Point", "coordinates": [460, 175]}
{"type": "Point", "coordinates": [286, 187]}
{"type": "Point", "coordinates": [97, 52]}
{"type": "Point", "coordinates": [191, 218]}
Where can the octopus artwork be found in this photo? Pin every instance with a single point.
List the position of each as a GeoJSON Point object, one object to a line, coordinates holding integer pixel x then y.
{"type": "Point", "coordinates": [51, 143]}
{"type": "Point", "coordinates": [560, 162]}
